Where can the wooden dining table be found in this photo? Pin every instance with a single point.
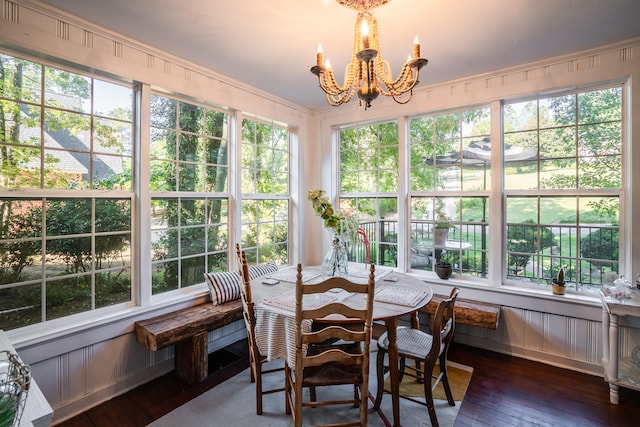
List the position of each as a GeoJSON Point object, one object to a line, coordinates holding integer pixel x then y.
{"type": "Point", "coordinates": [397, 294]}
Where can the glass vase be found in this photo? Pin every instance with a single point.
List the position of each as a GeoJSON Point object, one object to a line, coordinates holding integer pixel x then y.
{"type": "Point", "coordinates": [335, 262]}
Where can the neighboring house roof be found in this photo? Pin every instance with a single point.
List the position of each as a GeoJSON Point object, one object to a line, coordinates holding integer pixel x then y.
{"type": "Point", "coordinates": [73, 151]}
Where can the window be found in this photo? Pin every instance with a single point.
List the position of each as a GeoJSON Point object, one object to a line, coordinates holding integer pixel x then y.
{"type": "Point", "coordinates": [65, 192]}
{"type": "Point", "coordinates": [189, 193]}
{"type": "Point", "coordinates": [369, 187]}
{"type": "Point", "coordinates": [265, 192]}
{"type": "Point", "coordinates": [563, 181]}
{"type": "Point", "coordinates": [450, 176]}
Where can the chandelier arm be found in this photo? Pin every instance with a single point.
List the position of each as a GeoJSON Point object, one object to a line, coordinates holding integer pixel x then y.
{"type": "Point", "coordinates": [403, 83]}
{"type": "Point", "coordinates": [329, 84]}
{"type": "Point", "coordinates": [399, 101]}
{"type": "Point", "coordinates": [336, 95]}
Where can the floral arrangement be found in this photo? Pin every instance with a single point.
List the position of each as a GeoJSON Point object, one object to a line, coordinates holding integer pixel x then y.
{"type": "Point", "coordinates": [336, 219]}
{"type": "Point", "coordinates": [442, 221]}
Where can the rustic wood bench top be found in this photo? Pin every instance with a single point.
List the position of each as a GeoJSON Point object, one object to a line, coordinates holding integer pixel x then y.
{"type": "Point", "coordinates": [188, 330]}
{"type": "Point", "coordinates": [167, 329]}
{"type": "Point", "coordinates": [469, 312]}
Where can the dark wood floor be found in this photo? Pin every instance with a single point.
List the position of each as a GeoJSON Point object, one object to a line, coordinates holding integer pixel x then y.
{"type": "Point", "coordinates": [504, 391]}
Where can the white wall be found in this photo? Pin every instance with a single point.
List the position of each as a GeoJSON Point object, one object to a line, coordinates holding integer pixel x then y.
{"type": "Point", "coordinates": [78, 366]}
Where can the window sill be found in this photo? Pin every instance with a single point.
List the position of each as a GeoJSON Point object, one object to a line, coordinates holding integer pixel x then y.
{"type": "Point", "coordinates": [540, 299]}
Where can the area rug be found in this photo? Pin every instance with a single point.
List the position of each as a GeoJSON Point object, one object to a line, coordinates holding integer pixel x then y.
{"type": "Point", "coordinates": [232, 403]}
{"type": "Point", "coordinates": [459, 377]}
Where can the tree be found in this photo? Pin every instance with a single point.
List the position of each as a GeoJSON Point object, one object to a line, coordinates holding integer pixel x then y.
{"type": "Point", "coordinates": [601, 244]}
{"type": "Point", "coordinates": [524, 240]}
{"type": "Point", "coordinates": [73, 216]}
{"type": "Point", "coordinates": [599, 142]}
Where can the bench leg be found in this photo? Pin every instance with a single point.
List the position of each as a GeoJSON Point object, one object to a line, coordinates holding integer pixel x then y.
{"type": "Point", "coordinates": [191, 358]}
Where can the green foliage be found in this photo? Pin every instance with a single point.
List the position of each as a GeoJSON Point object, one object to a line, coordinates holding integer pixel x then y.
{"type": "Point", "coordinates": [449, 257]}
{"type": "Point", "coordinates": [335, 219]}
{"type": "Point", "coordinates": [600, 244]}
{"type": "Point", "coordinates": [73, 216]}
{"type": "Point", "coordinates": [17, 250]}
{"type": "Point", "coordinates": [8, 407]}
{"type": "Point", "coordinates": [525, 240]}
{"type": "Point", "coordinates": [559, 280]}
{"type": "Point", "coordinates": [442, 221]}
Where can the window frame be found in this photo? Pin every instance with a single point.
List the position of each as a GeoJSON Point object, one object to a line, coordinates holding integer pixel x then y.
{"type": "Point", "coordinates": [89, 146]}
{"type": "Point", "coordinates": [496, 196]}
{"type": "Point", "coordinates": [264, 249]}
{"type": "Point", "coordinates": [578, 192]}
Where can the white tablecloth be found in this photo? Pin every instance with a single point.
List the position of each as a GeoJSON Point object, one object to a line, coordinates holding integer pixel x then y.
{"type": "Point", "coordinates": [275, 315]}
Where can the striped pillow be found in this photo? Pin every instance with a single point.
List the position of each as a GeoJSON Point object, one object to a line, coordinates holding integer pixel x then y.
{"type": "Point", "coordinates": [262, 269]}
{"type": "Point", "coordinates": [224, 286]}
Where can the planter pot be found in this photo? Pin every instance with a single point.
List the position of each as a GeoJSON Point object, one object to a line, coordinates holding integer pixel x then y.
{"type": "Point", "coordinates": [557, 289]}
{"type": "Point", "coordinates": [440, 235]}
{"type": "Point", "coordinates": [444, 270]}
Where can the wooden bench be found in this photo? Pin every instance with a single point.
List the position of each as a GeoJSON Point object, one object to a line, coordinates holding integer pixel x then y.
{"type": "Point", "coordinates": [188, 329]}
{"type": "Point", "coordinates": [469, 312]}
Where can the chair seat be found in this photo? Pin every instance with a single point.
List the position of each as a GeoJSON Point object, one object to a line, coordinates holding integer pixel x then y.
{"type": "Point", "coordinates": [426, 350]}
{"type": "Point", "coordinates": [331, 375]}
{"type": "Point", "coordinates": [411, 342]}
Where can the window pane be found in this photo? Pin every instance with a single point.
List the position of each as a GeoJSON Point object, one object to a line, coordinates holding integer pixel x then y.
{"type": "Point", "coordinates": [454, 230]}
{"type": "Point", "coordinates": [113, 287]}
{"type": "Point", "coordinates": [195, 155]}
{"type": "Point", "coordinates": [265, 158]}
{"type": "Point", "coordinates": [28, 73]}
{"type": "Point", "coordinates": [67, 90]}
{"type": "Point", "coordinates": [265, 188]}
{"type": "Point", "coordinates": [378, 219]}
{"type": "Point", "coordinates": [164, 112]}
{"type": "Point", "coordinates": [186, 233]}
{"type": "Point", "coordinates": [111, 100]}
{"type": "Point", "coordinates": [459, 143]}
{"type": "Point", "coordinates": [578, 233]}
{"type": "Point", "coordinates": [20, 306]}
{"type": "Point", "coordinates": [369, 158]}
{"type": "Point", "coordinates": [265, 229]}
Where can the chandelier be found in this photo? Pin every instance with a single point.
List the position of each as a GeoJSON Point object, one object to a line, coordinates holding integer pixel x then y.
{"type": "Point", "coordinates": [368, 74]}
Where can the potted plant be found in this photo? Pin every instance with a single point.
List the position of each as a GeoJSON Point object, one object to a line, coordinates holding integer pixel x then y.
{"type": "Point", "coordinates": [558, 284]}
{"type": "Point", "coordinates": [444, 268]}
{"type": "Point", "coordinates": [441, 226]}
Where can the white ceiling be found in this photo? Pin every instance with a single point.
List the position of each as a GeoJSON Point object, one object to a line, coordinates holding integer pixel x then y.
{"type": "Point", "coordinates": [270, 44]}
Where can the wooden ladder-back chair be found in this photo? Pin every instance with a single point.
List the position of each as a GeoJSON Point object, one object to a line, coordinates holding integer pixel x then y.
{"type": "Point", "coordinates": [425, 350]}
{"type": "Point", "coordinates": [256, 360]}
{"type": "Point", "coordinates": [325, 364]}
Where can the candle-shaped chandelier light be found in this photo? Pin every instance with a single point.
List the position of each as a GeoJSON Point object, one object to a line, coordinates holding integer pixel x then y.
{"type": "Point", "coordinates": [368, 74]}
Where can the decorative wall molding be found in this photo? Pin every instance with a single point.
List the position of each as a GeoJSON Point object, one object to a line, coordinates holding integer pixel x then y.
{"type": "Point", "coordinates": [62, 30]}
{"type": "Point", "coordinates": [10, 11]}
{"type": "Point", "coordinates": [117, 49]}
{"type": "Point", "coordinates": [87, 39]}
{"type": "Point", "coordinates": [40, 22]}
